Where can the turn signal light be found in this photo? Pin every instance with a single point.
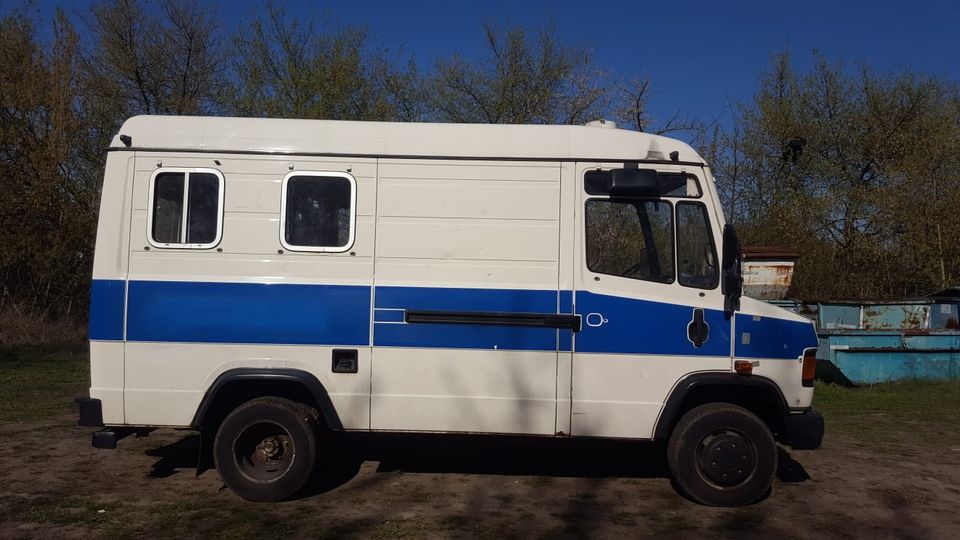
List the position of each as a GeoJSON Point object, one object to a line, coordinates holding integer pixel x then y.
{"type": "Point", "coordinates": [743, 367]}
{"type": "Point", "coordinates": [809, 370]}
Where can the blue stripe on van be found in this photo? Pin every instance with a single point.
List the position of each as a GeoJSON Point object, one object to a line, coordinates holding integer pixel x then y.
{"type": "Point", "coordinates": [106, 309]}
{"type": "Point", "coordinates": [340, 315]}
{"type": "Point", "coordinates": [773, 338]}
{"type": "Point", "coordinates": [248, 313]}
{"type": "Point", "coordinates": [457, 336]}
{"type": "Point", "coordinates": [631, 326]}
{"type": "Point", "coordinates": [389, 315]}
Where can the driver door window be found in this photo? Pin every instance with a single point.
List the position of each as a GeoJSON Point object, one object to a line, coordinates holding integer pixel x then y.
{"type": "Point", "coordinates": [631, 239]}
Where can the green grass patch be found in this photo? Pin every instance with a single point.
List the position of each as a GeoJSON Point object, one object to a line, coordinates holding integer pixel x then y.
{"type": "Point", "coordinates": [892, 411]}
{"type": "Point", "coordinates": [41, 381]}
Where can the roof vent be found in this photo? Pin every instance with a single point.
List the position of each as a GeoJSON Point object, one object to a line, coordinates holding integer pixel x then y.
{"type": "Point", "coordinates": [609, 124]}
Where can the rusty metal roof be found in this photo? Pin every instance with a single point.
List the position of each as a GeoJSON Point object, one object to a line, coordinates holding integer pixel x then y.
{"type": "Point", "coordinates": [753, 253]}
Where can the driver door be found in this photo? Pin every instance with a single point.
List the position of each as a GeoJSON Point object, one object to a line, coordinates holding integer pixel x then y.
{"type": "Point", "coordinates": [647, 288]}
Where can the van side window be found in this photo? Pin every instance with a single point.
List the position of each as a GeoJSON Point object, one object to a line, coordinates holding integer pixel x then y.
{"type": "Point", "coordinates": [167, 207]}
{"type": "Point", "coordinates": [632, 239]}
{"type": "Point", "coordinates": [185, 208]}
{"type": "Point", "coordinates": [318, 211]}
{"type": "Point", "coordinates": [696, 255]}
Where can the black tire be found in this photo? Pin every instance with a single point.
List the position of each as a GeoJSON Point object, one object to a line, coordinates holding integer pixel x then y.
{"type": "Point", "coordinates": [722, 455]}
{"type": "Point", "coordinates": [266, 449]}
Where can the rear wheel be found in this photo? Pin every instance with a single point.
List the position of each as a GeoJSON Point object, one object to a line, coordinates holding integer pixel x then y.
{"type": "Point", "coordinates": [722, 455]}
{"type": "Point", "coordinates": [266, 449]}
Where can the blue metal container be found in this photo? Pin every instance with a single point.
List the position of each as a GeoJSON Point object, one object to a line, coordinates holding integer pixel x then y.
{"type": "Point", "coordinates": [874, 342]}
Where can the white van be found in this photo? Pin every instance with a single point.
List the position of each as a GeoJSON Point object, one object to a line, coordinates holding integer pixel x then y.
{"type": "Point", "coordinates": [264, 279]}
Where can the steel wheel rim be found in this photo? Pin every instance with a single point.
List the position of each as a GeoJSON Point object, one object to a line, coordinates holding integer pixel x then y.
{"type": "Point", "coordinates": [726, 458]}
{"type": "Point", "coordinates": [263, 451]}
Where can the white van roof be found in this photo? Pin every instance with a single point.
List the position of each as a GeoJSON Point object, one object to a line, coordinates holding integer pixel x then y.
{"type": "Point", "coordinates": [398, 139]}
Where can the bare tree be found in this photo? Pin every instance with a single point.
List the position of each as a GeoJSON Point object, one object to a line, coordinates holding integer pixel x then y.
{"type": "Point", "coordinates": [284, 69]}
{"type": "Point", "coordinates": [520, 80]}
{"type": "Point", "coordinates": [631, 111]}
{"type": "Point", "coordinates": [164, 60]}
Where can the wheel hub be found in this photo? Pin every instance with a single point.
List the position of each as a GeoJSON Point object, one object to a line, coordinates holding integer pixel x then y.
{"type": "Point", "coordinates": [270, 448]}
{"type": "Point", "coordinates": [263, 451]}
{"type": "Point", "coordinates": [726, 458]}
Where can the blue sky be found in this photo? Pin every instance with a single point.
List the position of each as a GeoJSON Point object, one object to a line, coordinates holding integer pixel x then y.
{"type": "Point", "coordinates": [698, 55]}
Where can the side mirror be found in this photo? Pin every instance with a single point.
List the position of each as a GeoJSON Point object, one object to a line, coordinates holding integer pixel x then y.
{"type": "Point", "coordinates": [731, 284]}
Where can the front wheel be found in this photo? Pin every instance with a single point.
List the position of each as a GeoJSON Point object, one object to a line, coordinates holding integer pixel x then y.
{"type": "Point", "coordinates": [265, 450]}
{"type": "Point", "coordinates": [722, 455]}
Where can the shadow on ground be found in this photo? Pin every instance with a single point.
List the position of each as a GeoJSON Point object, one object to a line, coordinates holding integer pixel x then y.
{"type": "Point", "coordinates": [523, 456]}
{"type": "Point", "coordinates": [182, 454]}
{"type": "Point", "coordinates": [469, 454]}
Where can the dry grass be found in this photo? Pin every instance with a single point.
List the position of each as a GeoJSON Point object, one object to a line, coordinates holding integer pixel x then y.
{"type": "Point", "coordinates": [23, 326]}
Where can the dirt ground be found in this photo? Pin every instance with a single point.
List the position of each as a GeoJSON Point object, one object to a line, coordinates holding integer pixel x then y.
{"type": "Point", "coordinates": [55, 484]}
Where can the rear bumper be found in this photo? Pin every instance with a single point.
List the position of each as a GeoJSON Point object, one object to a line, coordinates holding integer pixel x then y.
{"type": "Point", "coordinates": [91, 415]}
{"type": "Point", "coordinates": [91, 412]}
{"type": "Point", "coordinates": [805, 430]}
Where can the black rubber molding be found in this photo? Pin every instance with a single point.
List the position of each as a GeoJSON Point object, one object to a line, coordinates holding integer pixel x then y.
{"type": "Point", "coordinates": [495, 318]}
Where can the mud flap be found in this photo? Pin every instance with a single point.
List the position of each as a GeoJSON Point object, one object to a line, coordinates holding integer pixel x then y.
{"type": "Point", "coordinates": [205, 452]}
{"type": "Point", "coordinates": [805, 431]}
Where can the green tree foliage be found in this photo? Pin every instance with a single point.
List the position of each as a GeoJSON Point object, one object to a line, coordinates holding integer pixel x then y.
{"type": "Point", "coordinates": [48, 207]}
{"type": "Point", "coordinates": [858, 172]}
{"type": "Point", "coordinates": [284, 69]}
{"type": "Point", "coordinates": [520, 80]}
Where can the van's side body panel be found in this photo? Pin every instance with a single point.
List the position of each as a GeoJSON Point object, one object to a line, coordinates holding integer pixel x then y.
{"type": "Point", "coordinates": [109, 288]}
{"type": "Point", "coordinates": [569, 214]}
{"type": "Point", "coordinates": [771, 337]}
{"type": "Point", "coordinates": [450, 221]}
{"type": "Point", "coordinates": [472, 237]}
{"type": "Point", "coordinates": [194, 314]}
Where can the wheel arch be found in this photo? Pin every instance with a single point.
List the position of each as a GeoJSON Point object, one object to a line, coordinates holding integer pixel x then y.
{"type": "Point", "coordinates": [236, 386]}
{"type": "Point", "coordinates": [757, 394]}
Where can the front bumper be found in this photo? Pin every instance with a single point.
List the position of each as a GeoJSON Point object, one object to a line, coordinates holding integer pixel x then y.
{"type": "Point", "coordinates": [804, 430]}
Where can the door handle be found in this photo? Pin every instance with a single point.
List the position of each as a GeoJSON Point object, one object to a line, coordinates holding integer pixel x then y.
{"type": "Point", "coordinates": [698, 331]}
{"type": "Point", "coordinates": [344, 361]}
{"type": "Point", "coordinates": [595, 320]}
